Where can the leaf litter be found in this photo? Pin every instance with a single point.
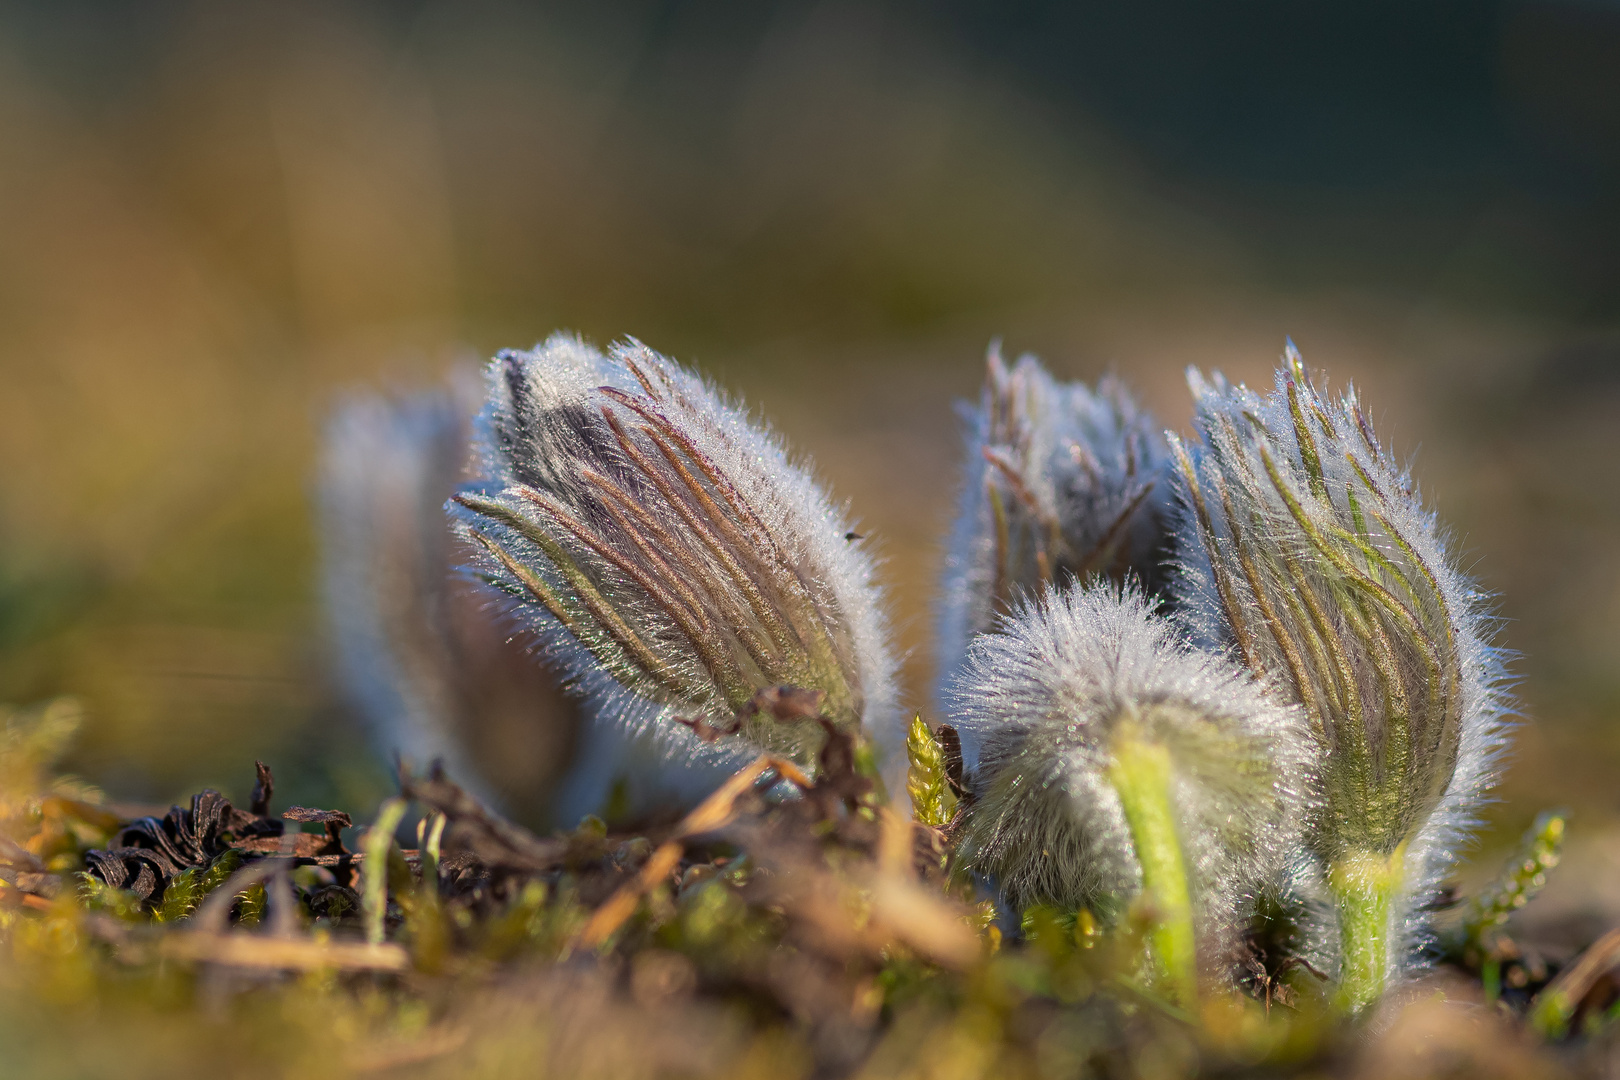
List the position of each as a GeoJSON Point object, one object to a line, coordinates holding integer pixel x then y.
{"type": "Point", "coordinates": [786, 926]}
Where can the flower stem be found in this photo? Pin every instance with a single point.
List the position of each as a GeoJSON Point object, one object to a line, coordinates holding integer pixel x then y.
{"type": "Point", "coordinates": [374, 871]}
{"type": "Point", "coordinates": [1141, 775]}
{"type": "Point", "coordinates": [1364, 885]}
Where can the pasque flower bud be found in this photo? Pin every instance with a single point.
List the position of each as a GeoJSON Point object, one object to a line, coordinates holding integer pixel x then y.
{"type": "Point", "coordinates": [433, 668]}
{"type": "Point", "coordinates": [1307, 552]}
{"type": "Point", "coordinates": [1111, 761]}
{"type": "Point", "coordinates": [1061, 482]}
{"type": "Point", "coordinates": [683, 572]}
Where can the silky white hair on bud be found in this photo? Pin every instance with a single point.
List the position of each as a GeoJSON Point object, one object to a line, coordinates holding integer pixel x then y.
{"type": "Point", "coordinates": [1306, 552]}
{"type": "Point", "coordinates": [689, 578]}
{"type": "Point", "coordinates": [1043, 705]}
{"type": "Point", "coordinates": [1061, 481]}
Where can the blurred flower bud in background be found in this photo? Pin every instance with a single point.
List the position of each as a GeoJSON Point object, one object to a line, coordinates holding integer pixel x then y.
{"type": "Point", "coordinates": [419, 652]}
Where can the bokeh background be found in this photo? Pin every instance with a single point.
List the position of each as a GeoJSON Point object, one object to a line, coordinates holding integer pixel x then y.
{"type": "Point", "coordinates": [216, 217]}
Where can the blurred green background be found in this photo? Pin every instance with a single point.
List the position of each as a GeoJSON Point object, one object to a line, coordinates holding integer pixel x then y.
{"type": "Point", "coordinates": [214, 217]}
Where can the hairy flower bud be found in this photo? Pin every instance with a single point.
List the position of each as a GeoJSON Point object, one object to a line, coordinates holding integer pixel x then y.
{"type": "Point", "coordinates": [686, 575]}
{"type": "Point", "coordinates": [1109, 757]}
{"type": "Point", "coordinates": [1061, 482]}
{"type": "Point", "coordinates": [1306, 550]}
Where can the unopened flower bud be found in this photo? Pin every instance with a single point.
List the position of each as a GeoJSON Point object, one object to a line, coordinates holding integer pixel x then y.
{"type": "Point", "coordinates": [686, 575]}
{"type": "Point", "coordinates": [1306, 551]}
{"type": "Point", "coordinates": [1111, 761]}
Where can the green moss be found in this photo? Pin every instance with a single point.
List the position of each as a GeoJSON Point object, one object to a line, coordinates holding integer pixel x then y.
{"type": "Point", "coordinates": [932, 802]}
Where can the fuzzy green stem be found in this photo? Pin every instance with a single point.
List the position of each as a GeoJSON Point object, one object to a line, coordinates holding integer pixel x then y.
{"type": "Point", "coordinates": [1364, 884]}
{"type": "Point", "coordinates": [1141, 775]}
